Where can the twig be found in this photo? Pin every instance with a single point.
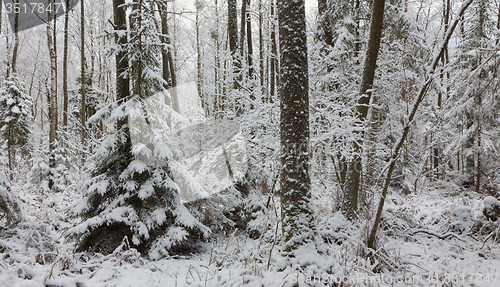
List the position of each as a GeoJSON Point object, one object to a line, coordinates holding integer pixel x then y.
{"type": "Point", "coordinates": [484, 242]}
{"type": "Point", "coordinates": [442, 237]}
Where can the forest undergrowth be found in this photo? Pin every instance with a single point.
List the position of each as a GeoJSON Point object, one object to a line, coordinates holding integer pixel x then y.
{"type": "Point", "coordinates": [437, 237]}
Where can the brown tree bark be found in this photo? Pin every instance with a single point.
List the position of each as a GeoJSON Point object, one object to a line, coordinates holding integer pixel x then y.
{"type": "Point", "coordinates": [16, 41]}
{"type": "Point", "coordinates": [350, 204]}
{"type": "Point", "coordinates": [248, 17]}
{"type": "Point", "coordinates": [261, 48]}
{"type": "Point", "coordinates": [325, 24]}
{"type": "Point", "coordinates": [83, 114]}
{"type": "Point", "coordinates": [122, 80]}
{"type": "Point", "coordinates": [1, 11]}
{"type": "Point", "coordinates": [296, 202]}
{"type": "Point", "coordinates": [65, 67]}
{"type": "Point", "coordinates": [274, 53]}
{"type": "Point", "coordinates": [242, 28]}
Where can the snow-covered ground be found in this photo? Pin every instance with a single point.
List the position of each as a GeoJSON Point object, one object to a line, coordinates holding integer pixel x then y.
{"type": "Point", "coordinates": [410, 252]}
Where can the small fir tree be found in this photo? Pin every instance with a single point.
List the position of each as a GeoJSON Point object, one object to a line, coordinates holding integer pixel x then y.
{"type": "Point", "coordinates": [131, 191]}
{"type": "Point", "coordinates": [15, 118]}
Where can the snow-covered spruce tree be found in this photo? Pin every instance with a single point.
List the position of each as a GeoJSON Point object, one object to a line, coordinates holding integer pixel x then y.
{"type": "Point", "coordinates": [15, 118]}
{"type": "Point", "coordinates": [131, 192]}
{"type": "Point", "coordinates": [59, 177]}
{"type": "Point", "coordinates": [10, 213]}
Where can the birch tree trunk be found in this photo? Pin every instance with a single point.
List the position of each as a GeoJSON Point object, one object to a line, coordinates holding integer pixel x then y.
{"type": "Point", "coordinates": [53, 91]}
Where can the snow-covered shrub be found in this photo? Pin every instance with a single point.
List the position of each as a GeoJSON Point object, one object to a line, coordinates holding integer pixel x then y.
{"type": "Point", "coordinates": [43, 178]}
{"type": "Point", "coordinates": [10, 213]}
{"type": "Point", "coordinates": [15, 119]}
{"type": "Point", "coordinates": [491, 208]}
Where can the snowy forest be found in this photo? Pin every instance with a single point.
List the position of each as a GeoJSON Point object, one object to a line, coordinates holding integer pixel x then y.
{"type": "Point", "coordinates": [249, 143]}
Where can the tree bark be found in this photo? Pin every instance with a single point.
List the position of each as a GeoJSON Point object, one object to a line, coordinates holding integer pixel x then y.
{"type": "Point", "coordinates": [242, 28]}
{"type": "Point", "coordinates": [53, 85]}
{"type": "Point", "coordinates": [249, 40]}
{"type": "Point", "coordinates": [352, 185]}
{"type": "Point", "coordinates": [296, 202]}
{"type": "Point", "coordinates": [83, 113]}
{"type": "Point", "coordinates": [1, 11]}
{"type": "Point", "coordinates": [16, 41]}
{"type": "Point", "coordinates": [166, 40]}
{"type": "Point", "coordinates": [199, 65]}
{"type": "Point", "coordinates": [325, 25]}
{"type": "Point", "coordinates": [274, 52]}
{"type": "Point", "coordinates": [65, 67]}
{"type": "Point", "coordinates": [232, 27]}
{"type": "Point", "coordinates": [122, 79]}
{"type": "Point", "coordinates": [261, 48]}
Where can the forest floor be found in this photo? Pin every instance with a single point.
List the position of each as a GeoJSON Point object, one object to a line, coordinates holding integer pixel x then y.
{"type": "Point", "coordinates": [429, 239]}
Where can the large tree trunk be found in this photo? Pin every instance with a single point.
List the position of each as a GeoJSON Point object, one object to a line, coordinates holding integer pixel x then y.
{"type": "Point", "coordinates": [350, 204]}
{"type": "Point", "coordinates": [122, 79]}
{"type": "Point", "coordinates": [296, 202]}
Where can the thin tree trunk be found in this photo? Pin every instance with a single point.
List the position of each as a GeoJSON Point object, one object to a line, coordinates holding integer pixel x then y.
{"type": "Point", "coordinates": [352, 185]}
{"type": "Point", "coordinates": [16, 41]}
{"type": "Point", "coordinates": [261, 48]}
{"type": "Point", "coordinates": [232, 27]}
{"type": "Point", "coordinates": [242, 28]}
{"type": "Point", "coordinates": [83, 114]}
{"type": "Point", "coordinates": [9, 149]}
{"type": "Point", "coordinates": [406, 129]}
{"type": "Point", "coordinates": [1, 11]}
{"type": "Point", "coordinates": [175, 98]}
{"type": "Point", "coordinates": [325, 24]}
{"type": "Point", "coordinates": [274, 52]}
{"type": "Point", "coordinates": [53, 84]}
{"type": "Point", "coordinates": [199, 64]}
{"type": "Point", "coordinates": [53, 91]}
{"type": "Point", "coordinates": [249, 40]}
{"type": "Point", "coordinates": [166, 40]}
{"type": "Point", "coordinates": [65, 67]}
